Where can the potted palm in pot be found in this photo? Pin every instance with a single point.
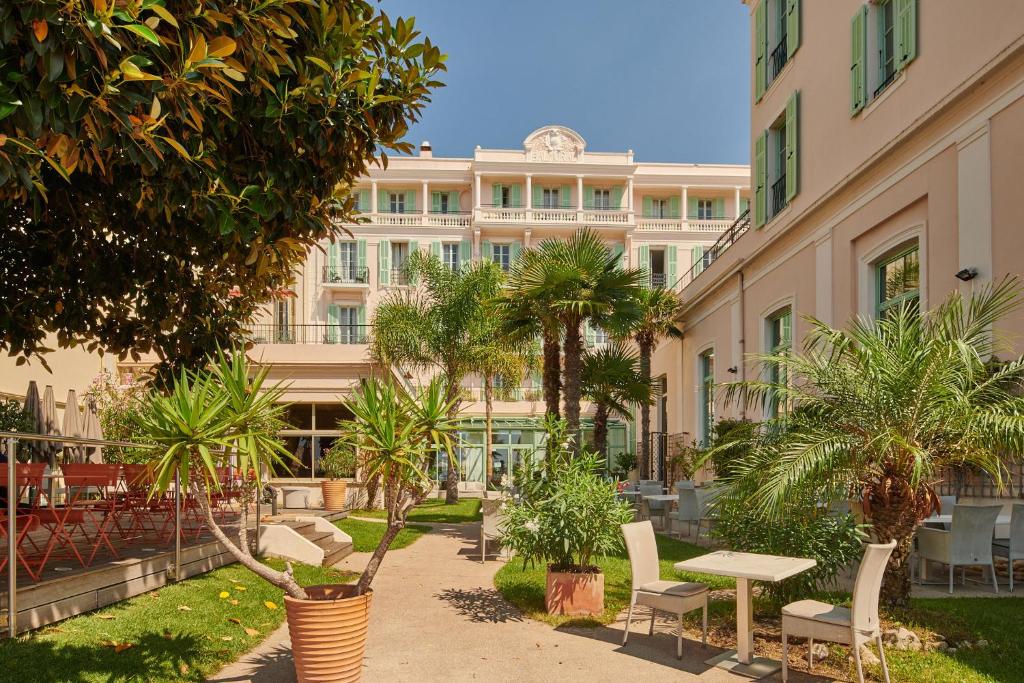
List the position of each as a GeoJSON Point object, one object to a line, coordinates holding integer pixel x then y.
{"type": "Point", "coordinates": [338, 463]}
{"type": "Point", "coordinates": [566, 515]}
{"type": "Point", "coordinates": [226, 415]}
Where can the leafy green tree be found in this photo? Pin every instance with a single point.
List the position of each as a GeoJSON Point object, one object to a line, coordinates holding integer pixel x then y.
{"type": "Point", "coordinates": [578, 280]}
{"type": "Point", "coordinates": [165, 166]}
{"type": "Point", "coordinates": [656, 319]}
{"type": "Point", "coordinates": [612, 381]}
{"type": "Point", "coordinates": [435, 327]}
{"type": "Point", "coordinates": [881, 409]}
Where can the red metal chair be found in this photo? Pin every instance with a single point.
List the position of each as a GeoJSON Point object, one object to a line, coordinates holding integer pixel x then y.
{"type": "Point", "coordinates": [80, 509]}
{"type": "Point", "coordinates": [146, 512]}
{"type": "Point", "coordinates": [23, 524]}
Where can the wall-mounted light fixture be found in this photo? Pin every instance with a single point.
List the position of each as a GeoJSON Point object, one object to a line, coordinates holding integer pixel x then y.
{"type": "Point", "coordinates": [733, 370]}
{"type": "Point", "coordinates": [966, 274]}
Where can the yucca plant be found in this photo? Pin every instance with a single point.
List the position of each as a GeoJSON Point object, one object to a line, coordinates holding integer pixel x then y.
{"type": "Point", "coordinates": [881, 410]}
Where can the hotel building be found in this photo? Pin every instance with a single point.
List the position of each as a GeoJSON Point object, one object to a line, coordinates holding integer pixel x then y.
{"type": "Point", "coordinates": [888, 146]}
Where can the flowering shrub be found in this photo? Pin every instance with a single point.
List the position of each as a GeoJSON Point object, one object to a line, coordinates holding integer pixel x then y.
{"type": "Point", "coordinates": [565, 512]}
{"type": "Point", "coordinates": [118, 405]}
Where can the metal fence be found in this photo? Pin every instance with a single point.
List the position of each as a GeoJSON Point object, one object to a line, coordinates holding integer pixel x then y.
{"type": "Point", "coordinates": [964, 483]}
{"type": "Point", "coordinates": [314, 333]}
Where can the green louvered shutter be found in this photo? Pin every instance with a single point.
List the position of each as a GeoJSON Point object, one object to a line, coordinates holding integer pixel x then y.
{"type": "Point", "coordinates": [383, 201]}
{"type": "Point", "coordinates": [617, 197]}
{"type": "Point", "coordinates": [858, 60]}
{"type": "Point", "coordinates": [760, 178]}
{"type": "Point", "coordinates": [648, 207]}
{"type": "Point", "coordinates": [697, 259]}
{"type": "Point", "coordinates": [513, 251]}
{"type": "Point", "coordinates": [792, 145]}
{"type": "Point", "coordinates": [332, 262]}
{"type": "Point", "coordinates": [691, 207]}
{"type": "Point", "coordinates": [435, 202]}
{"type": "Point", "coordinates": [361, 274]}
{"type": "Point", "coordinates": [465, 252]}
{"type": "Point", "coordinates": [618, 251]}
{"type": "Point", "coordinates": [760, 50]}
{"type": "Point", "coordinates": [496, 194]}
{"type": "Point", "coordinates": [363, 201]}
{"type": "Point", "coordinates": [453, 202]}
{"type": "Point", "coordinates": [516, 195]}
{"type": "Point", "coordinates": [673, 206]}
{"type": "Point", "coordinates": [414, 246]}
{"type": "Point", "coordinates": [435, 249]}
{"type": "Point", "coordinates": [905, 30]}
{"type": "Point", "coordinates": [333, 321]}
{"type": "Point", "coordinates": [643, 253]}
{"type": "Point", "coordinates": [564, 195]}
{"type": "Point", "coordinates": [538, 196]}
{"type": "Point", "coordinates": [384, 262]}
{"type": "Point", "coordinates": [671, 267]}
{"type": "Point", "coordinates": [588, 197]}
{"type": "Point", "coordinates": [792, 27]}
{"type": "Point", "coordinates": [718, 208]}
{"type": "Point", "coordinates": [410, 201]}
{"type": "Point", "coordinates": [486, 254]}
{"type": "Point", "coordinates": [361, 332]}
{"type": "Point", "coordinates": [744, 206]}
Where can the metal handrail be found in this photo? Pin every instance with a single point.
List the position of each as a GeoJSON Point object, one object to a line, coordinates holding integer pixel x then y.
{"type": "Point", "coordinates": [738, 228]}
{"type": "Point", "coordinates": [77, 440]}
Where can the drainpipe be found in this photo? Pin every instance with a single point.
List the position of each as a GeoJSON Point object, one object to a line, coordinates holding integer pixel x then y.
{"type": "Point", "coordinates": [743, 345]}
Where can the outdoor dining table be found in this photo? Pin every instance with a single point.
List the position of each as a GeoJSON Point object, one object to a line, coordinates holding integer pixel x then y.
{"type": "Point", "coordinates": [746, 567]}
{"type": "Point", "coordinates": [666, 498]}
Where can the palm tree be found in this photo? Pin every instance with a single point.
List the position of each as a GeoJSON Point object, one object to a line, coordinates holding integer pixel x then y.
{"type": "Point", "coordinates": [527, 315]}
{"type": "Point", "coordinates": [657, 318]}
{"type": "Point", "coordinates": [577, 280]}
{"type": "Point", "coordinates": [435, 327]}
{"type": "Point", "coordinates": [612, 381]}
{"type": "Point", "coordinates": [882, 410]}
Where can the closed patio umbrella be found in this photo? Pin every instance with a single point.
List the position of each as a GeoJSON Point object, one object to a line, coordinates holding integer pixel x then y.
{"type": "Point", "coordinates": [91, 430]}
{"type": "Point", "coordinates": [73, 428]}
{"type": "Point", "coordinates": [34, 408]}
{"type": "Point", "coordinates": [50, 426]}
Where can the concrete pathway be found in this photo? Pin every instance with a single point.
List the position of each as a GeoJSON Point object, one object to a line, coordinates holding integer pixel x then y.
{"type": "Point", "coordinates": [437, 617]}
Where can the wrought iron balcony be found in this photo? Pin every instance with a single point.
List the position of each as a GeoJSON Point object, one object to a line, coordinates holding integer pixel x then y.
{"type": "Point", "coordinates": [316, 333]}
{"type": "Point", "coordinates": [345, 275]}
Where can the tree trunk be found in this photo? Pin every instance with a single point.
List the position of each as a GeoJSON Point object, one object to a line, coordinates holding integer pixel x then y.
{"type": "Point", "coordinates": [572, 351]}
{"type": "Point", "coordinates": [488, 426]}
{"type": "Point", "coordinates": [283, 580]}
{"type": "Point", "coordinates": [451, 485]}
{"type": "Point", "coordinates": [601, 431]}
{"type": "Point", "coordinates": [645, 407]}
{"type": "Point", "coordinates": [552, 373]}
{"type": "Point", "coordinates": [378, 556]}
{"type": "Point", "coordinates": [896, 519]}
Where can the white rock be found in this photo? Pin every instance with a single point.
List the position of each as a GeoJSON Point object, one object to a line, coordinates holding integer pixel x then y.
{"type": "Point", "coordinates": [902, 639]}
{"type": "Point", "coordinates": [981, 643]}
{"type": "Point", "coordinates": [951, 651]}
{"type": "Point", "coordinates": [820, 651]}
{"type": "Point", "coordinates": [867, 657]}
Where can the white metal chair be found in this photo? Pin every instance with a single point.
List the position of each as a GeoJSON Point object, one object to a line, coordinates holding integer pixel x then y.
{"type": "Point", "coordinates": [675, 597]}
{"type": "Point", "coordinates": [1012, 548]}
{"type": "Point", "coordinates": [490, 527]}
{"type": "Point", "coordinates": [854, 626]}
{"type": "Point", "coordinates": [968, 544]}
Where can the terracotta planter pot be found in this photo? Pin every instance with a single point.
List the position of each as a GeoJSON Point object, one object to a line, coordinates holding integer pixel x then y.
{"type": "Point", "coordinates": [334, 494]}
{"type": "Point", "coordinates": [328, 633]}
{"type": "Point", "coordinates": [572, 594]}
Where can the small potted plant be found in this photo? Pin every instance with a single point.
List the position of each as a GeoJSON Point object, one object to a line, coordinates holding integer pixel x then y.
{"type": "Point", "coordinates": [566, 515]}
{"type": "Point", "coordinates": [628, 467]}
{"type": "Point", "coordinates": [339, 463]}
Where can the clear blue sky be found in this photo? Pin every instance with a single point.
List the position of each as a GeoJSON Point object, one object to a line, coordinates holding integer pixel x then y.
{"type": "Point", "coordinates": [665, 78]}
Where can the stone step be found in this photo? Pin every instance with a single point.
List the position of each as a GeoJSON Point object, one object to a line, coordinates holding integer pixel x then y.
{"type": "Point", "coordinates": [321, 539]}
{"type": "Point", "coordinates": [336, 552]}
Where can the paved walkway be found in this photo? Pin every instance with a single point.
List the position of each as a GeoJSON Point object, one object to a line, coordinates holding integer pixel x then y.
{"type": "Point", "coordinates": [436, 616]}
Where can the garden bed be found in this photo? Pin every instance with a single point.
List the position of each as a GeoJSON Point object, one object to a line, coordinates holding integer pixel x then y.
{"type": "Point", "coordinates": [184, 631]}
{"type": "Point", "coordinates": [366, 535]}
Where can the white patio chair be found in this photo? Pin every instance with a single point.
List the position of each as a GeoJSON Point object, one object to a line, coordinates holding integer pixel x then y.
{"type": "Point", "coordinates": [684, 484]}
{"type": "Point", "coordinates": [1012, 548]}
{"type": "Point", "coordinates": [705, 497]}
{"type": "Point", "coordinates": [854, 626]}
{"type": "Point", "coordinates": [649, 507]}
{"type": "Point", "coordinates": [490, 527]}
{"type": "Point", "coordinates": [968, 544]}
{"type": "Point", "coordinates": [674, 597]}
{"type": "Point", "coordinates": [687, 509]}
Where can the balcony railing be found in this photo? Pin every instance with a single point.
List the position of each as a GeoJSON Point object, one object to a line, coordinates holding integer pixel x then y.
{"type": "Point", "coordinates": [316, 333]}
{"type": "Point", "coordinates": [345, 275]}
{"type": "Point", "coordinates": [683, 224]}
{"type": "Point", "coordinates": [656, 279]}
{"type": "Point", "coordinates": [449, 219]}
{"type": "Point", "coordinates": [726, 240]}
{"type": "Point", "coordinates": [777, 59]}
{"type": "Point", "coordinates": [399, 276]}
{"type": "Point", "coordinates": [778, 195]}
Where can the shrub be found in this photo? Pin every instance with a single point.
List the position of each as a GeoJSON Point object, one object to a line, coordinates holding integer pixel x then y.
{"type": "Point", "coordinates": [14, 418]}
{"type": "Point", "coordinates": [625, 463]}
{"type": "Point", "coordinates": [339, 461]}
{"type": "Point", "coordinates": [729, 444]}
{"type": "Point", "coordinates": [565, 512]}
{"type": "Point", "coordinates": [118, 407]}
{"type": "Point", "coordinates": [683, 460]}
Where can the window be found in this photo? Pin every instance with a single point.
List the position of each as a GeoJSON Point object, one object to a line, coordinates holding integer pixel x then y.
{"type": "Point", "coordinates": [602, 200]}
{"type": "Point", "coordinates": [659, 208]}
{"type": "Point", "coordinates": [776, 164]}
{"type": "Point", "coordinates": [502, 255]}
{"type": "Point", "coordinates": [883, 37]}
{"type": "Point", "coordinates": [348, 319]}
{"type": "Point", "coordinates": [776, 39]}
{"type": "Point", "coordinates": [886, 46]}
{"type": "Point", "coordinates": [283, 332]}
{"type": "Point", "coordinates": [450, 255]}
{"type": "Point", "coordinates": [898, 281]}
{"type": "Point", "coordinates": [347, 261]}
{"type": "Point", "coordinates": [705, 211]}
{"type": "Point", "coordinates": [777, 137]}
{"type": "Point", "coordinates": [399, 255]}
{"type": "Point", "coordinates": [506, 196]}
{"type": "Point", "coordinates": [443, 201]}
{"type": "Point", "coordinates": [550, 198]}
{"type": "Point", "coordinates": [657, 267]}
{"type": "Point", "coordinates": [706, 375]}
{"type": "Point", "coordinates": [396, 202]}
{"type": "Point", "coordinates": [779, 342]}
{"type": "Point", "coordinates": [600, 335]}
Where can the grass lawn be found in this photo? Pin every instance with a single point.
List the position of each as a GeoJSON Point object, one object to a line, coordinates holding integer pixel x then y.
{"type": "Point", "coordinates": [466, 510]}
{"type": "Point", "coordinates": [184, 631]}
{"type": "Point", "coordinates": [366, 535]}
{"type": "Point", "coordinates": [525, 587]}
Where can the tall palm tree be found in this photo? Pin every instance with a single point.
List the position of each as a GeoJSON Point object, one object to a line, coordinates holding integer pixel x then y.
{"type": "Point", "coordinates": [612, 381]}
{"type": "Point", "coordinates": [882, 410]}
{"type": "Point", "coordinates": [435, 327]}
{"type": "Point", "coordinates": [526, 314]}
{"type": "Point", "coordinates": [658, 312]}
{"type": "Point", "coordinates": [578, 279]}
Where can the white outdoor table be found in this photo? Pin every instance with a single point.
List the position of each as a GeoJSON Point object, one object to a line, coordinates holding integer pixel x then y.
{"type": "Point", "coordinates": [666, 498]}
{"type": "Point", "coordinates": [746, 567]}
